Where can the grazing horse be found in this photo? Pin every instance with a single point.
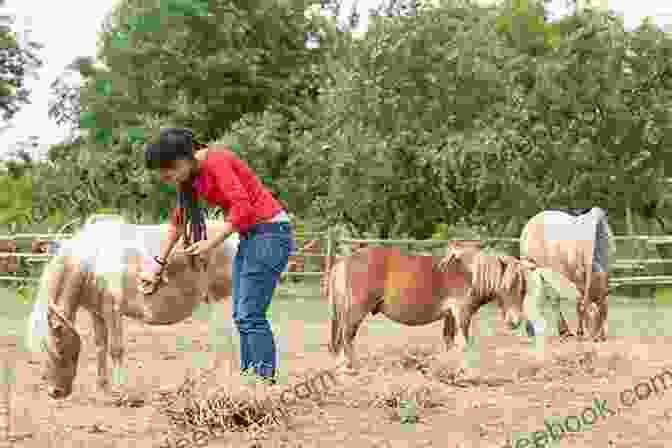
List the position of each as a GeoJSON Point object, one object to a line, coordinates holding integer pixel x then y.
{"type": "Point", "coordinates": [523, 286]}
{"type": "Point", "coordinates": [99, 270]}
{"type": "Point", "coordinates": [574, 243]}
{"type": "Point", "coordinates": [416, 290]}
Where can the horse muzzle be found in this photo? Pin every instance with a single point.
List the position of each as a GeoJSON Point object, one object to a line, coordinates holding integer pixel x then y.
{"type": "Point", "coordinates": [58, 393]}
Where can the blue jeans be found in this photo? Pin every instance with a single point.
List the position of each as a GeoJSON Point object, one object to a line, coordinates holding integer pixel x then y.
{"type": "Point", "coordinates": [263, 254]}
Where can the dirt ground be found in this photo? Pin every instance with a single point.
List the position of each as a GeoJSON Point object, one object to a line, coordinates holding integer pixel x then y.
{"type": "Point", "coordinates": [507, 394]}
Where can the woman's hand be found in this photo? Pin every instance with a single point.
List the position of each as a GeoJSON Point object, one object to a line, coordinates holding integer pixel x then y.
{"type": "Point", "coordinates": [148, 282]}
{"type": "Point", "coordinates": [151, 276]}
{"type": "Point", "coordinates": [199, 248]}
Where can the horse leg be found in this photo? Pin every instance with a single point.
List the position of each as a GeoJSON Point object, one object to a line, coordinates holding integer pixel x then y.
{"type": "Point", "coordinates": [116, 341]}
{"type": "Point", "coordinates": [600, 294]}
{"type": "Point", "coordinates": [462, 315]}
{"type": "Point", "coordinates": [349, 334]}
{"type": "Point", "coordinates": [580, 314]}
{"type": "Point", "coordinates": [602, 322]}
{"type": "Point", "coordinates": [601, 318]}
{"type": "Point", "coordinates": [100, 335]}
{"type": "Point", "coordinates": [449, 330]}
{"type": "Point", "coordinates": [563, 327]}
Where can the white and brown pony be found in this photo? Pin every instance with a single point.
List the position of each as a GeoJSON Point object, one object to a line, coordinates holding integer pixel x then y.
{"type": "Point", "coordinates": [419, 290]}
{"type": "Point", "coordinates": [99, 270]}
{"type": "Point", "coordinates": [566, 244]}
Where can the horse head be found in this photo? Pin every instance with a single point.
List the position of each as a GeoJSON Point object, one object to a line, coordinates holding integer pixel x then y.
{"type": "Point", "coordinates": [491, 277]}
{"type": "Point", "coordinates": [512, 288]}
{"type": "Point", "coordinates": [460, 255]}
{"type": "Point", "coordinates": [62, 346]}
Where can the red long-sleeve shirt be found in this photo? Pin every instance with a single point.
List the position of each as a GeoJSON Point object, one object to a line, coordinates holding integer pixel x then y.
{"type": "Point", "coordinates": [226, 181]}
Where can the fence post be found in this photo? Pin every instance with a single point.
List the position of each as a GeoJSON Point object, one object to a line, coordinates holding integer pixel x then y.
{"type": "Point", "coordinates": [329, 261]}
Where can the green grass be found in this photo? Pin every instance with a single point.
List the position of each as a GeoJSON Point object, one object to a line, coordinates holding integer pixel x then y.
{"type": "Point", "coordinates": [13, 313]}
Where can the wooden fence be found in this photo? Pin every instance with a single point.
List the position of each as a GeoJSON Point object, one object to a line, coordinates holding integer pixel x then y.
{"type": "Point", "coordinates": [321, 245]}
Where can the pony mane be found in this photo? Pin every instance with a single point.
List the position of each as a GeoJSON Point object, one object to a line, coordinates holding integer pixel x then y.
{"type": "Point", "coordinates": [497, 274]}
{"type": "Point", "coordinates": [38, 323]}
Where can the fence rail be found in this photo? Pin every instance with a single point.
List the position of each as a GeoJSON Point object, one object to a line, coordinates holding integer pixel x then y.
{"type": "Point", "coordinates": [332, 242]}
{"type": "Point", "coordinates": [34, 236]}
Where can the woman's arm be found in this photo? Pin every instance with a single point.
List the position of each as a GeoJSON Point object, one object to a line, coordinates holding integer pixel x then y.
{"type": "Point", "coordinates": [241, 213]}
{"type": "Point", "coordinates": [168, 244]}
{"type": "Point", "coordinates": [175, 229]}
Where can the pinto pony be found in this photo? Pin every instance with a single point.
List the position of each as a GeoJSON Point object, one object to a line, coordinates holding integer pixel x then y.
{"type": "Point", "coordinates": [99, 270]}
{"type": "Point", "coordinates": [419, 290]}
{"type": "Point", "coordinates": [574, 243]}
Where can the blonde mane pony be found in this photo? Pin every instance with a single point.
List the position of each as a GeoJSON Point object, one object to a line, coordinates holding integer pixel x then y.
{"type": "Point", "coordinates": [495, 274]}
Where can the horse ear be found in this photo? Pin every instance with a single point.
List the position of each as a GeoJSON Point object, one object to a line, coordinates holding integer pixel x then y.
{"type": "Point", "coordinates": [455, 249]}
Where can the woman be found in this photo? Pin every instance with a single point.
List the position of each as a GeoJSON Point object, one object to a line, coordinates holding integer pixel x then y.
{"type": "Point", "coordinates": [266, 237]}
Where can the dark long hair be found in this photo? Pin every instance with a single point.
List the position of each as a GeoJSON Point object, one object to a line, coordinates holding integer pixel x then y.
{"type": "Point", "coordinates": [174, 144]}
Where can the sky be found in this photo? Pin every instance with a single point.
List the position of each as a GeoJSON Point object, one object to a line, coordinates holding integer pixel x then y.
{"type": "Point", "coordinates": [68, 28]}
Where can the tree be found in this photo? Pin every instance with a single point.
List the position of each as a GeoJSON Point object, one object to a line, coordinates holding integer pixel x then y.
{"type": "Point", "coordinates": [478, 116]}
{"type": "Point", "coordinates": [460, 114]}
{"type": "Point", "coordinates": [18, 59]}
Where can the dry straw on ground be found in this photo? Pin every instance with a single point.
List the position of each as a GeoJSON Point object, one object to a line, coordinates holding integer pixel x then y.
{"type": "Point", "coordinates": [200, 413]}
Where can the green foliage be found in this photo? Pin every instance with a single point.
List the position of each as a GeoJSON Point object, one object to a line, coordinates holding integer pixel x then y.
{"type": "Point", "coordinates": [472, 116]}
{"type": "Point", "coordinates": [16, 201]}
{"type": "Point", "coordinates": [25, 293]}
{"type": "Point", "coordinates": [18, 59]}
{"type": "Point", "coordinates": [249, 55]}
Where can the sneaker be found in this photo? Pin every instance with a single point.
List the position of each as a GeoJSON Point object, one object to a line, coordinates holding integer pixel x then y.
{"type": "Point", "coordinates": [269, 381]}
{"type": "Point", "coordinates": [249, 375]}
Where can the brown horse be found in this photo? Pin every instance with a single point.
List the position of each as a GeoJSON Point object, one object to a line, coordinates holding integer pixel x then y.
{"type": "Point", "coordinates": [576, 247]}
{"type": "Point", "coordinates": [99, 270]}
{"type": "Point", "coordinates": [418, 290]}
{"type": "Point", "coordinates": [509, 279]}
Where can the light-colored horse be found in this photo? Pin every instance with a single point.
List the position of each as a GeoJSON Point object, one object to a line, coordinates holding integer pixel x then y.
{"type": "Point", "coordinates": [418, 290]}
{"type": "Point", "coordinates": [99, 270]}
{"type": "Point", "coordinates": [566, 244]}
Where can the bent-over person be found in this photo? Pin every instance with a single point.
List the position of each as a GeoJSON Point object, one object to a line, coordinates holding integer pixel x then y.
{"type": "Point", "coordinates": [217, 176]}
